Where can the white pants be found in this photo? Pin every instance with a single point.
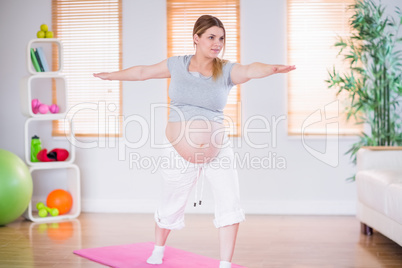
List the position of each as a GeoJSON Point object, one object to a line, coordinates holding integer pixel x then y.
{"type": "Point", "coordinates": [180, 178]}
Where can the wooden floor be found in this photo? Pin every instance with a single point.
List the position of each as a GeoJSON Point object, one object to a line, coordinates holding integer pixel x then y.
{"type": "Point", "coordinates": [263, 241]}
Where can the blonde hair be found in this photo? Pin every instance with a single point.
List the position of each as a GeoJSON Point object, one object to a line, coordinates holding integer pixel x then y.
{"type": "Point", "coordinates": [202, 24]}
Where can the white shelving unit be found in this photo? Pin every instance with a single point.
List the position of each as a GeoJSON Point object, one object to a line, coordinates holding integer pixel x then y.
{"type": "Point", "coordinates": [47, 87]}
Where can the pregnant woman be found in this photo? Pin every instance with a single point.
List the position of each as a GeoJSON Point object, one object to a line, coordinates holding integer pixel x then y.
{"type": "Point", "coordinates": [198, 90]}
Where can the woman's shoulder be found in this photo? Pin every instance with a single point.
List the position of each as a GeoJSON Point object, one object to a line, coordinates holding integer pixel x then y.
{"type": "Point", "coordinates": [227, 65]}
{"type": "Point", "coordinates": [178, 62]}
{"type": "Point", "coordinates": [179, 59]}
{"type": "Point", "coordinates": [226, 71]}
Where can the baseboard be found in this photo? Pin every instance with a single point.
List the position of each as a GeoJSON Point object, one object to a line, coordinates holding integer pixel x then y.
{"type": "Point", "coordinates": [295, 207]}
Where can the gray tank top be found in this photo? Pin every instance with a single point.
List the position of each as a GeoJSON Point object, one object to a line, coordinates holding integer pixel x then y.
{"type": "Point", "coordinates": [194, 96]}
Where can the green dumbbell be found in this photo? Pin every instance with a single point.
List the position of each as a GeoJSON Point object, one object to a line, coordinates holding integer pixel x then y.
{"type": "Point", "coordinates": [43, 210]}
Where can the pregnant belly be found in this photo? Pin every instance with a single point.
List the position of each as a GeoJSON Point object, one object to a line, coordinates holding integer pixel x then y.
{"type": "Point", "coordinates": [196, 141]}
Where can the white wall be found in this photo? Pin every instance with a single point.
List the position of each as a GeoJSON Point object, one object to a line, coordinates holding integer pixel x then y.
{"type": "Point", "coordinates": [305, 186]}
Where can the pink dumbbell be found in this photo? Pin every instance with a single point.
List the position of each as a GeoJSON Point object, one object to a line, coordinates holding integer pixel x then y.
{"type": "Point", "coordinates": [54, 108]}
{"type": "Point", "coordinates": [43, 108]}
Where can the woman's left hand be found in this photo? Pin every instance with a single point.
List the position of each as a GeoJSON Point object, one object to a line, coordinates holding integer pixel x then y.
{"type": "Point", "coordinates": [103, 76]}
{"type": "Point", "coordinates": [283, 68]}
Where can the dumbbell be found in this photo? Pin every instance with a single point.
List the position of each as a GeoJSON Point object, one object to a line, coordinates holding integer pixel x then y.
{"type": "Point", "coordinates": [43, 210]}
{"type": "Point", "coordinates": [38, 107]}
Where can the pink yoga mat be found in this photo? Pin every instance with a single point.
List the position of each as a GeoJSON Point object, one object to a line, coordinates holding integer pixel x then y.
{"type": "Point", "coordinates": [135, 255]}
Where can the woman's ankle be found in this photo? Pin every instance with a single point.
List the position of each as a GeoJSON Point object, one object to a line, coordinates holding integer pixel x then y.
{"type": "Point", "coordinates": [225, 264]}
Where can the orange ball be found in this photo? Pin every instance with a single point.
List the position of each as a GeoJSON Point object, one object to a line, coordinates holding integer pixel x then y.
{"type": "Point", "coordinates": [60, 199]}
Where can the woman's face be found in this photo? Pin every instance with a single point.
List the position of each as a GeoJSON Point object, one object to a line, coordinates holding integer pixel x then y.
{"type": "Point", "coordinates": [211, 42]}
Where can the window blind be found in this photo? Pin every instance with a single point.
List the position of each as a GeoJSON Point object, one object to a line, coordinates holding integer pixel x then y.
{"type": "Point", "coordinates": [313, 27]}
{"type": "Point", "coordinates": [91, 33]}
{"type": "Point", "coordinates": [181, 17]}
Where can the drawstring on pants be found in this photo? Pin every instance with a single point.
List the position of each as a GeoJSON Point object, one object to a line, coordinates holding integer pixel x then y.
{"type": "Point", "coordinates": [196, 186]}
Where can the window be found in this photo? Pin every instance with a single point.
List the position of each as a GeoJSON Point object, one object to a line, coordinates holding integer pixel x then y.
{"type": "Point", "coordinates": [91, 35]}
{"type": "Point", "coordinates": [181, 16]}
{"type": "Point", "coordinates": [313, 26]}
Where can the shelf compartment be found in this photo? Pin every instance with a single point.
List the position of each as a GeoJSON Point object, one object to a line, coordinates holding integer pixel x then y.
{"type": "Point", "coordinates": [41, 88]}
{"type": "Point", "coordinates": [51, 178]}
{"type": "Point", "coordinates": [42, 127]}
{"type": "Point", "coordinates": [48, 45]}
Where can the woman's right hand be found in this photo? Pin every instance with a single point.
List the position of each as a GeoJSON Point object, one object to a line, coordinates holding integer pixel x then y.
{"type": "Point", "coordinates": [104, 76]}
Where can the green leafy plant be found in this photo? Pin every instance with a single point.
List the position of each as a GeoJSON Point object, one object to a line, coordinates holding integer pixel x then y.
{"type": "Point", "coordinates": [373, 81]}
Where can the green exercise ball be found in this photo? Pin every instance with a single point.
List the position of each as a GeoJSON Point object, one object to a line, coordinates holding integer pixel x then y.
{"type": "Point", "coordinates": [15, 187]}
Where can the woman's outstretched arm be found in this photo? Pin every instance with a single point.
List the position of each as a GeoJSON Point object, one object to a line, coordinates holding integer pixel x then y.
{"type": "Point", "coordinates": [243, 73]}
{"type": "Point", "coordinates": [138, 73]}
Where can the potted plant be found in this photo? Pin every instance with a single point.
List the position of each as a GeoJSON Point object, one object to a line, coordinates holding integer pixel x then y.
{"type": "Point", "coordinates": [373, 81]}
